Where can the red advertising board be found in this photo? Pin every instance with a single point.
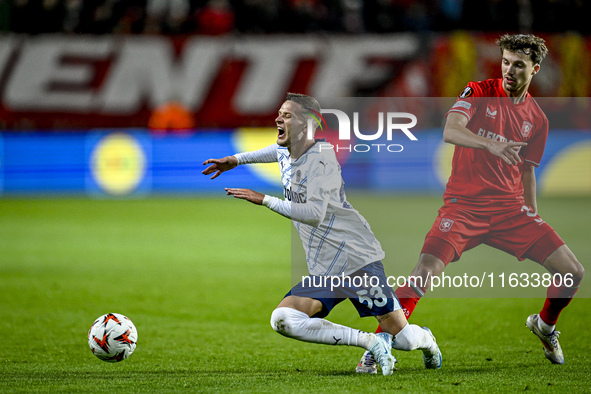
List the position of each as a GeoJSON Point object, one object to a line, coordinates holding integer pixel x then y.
{"type": "Point", "coordinates": [74, 82]}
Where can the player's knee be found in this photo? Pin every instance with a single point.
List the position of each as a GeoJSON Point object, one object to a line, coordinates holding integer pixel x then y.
{"type": "Point", "coordinates": [286, 320]}
{"type": "Point", "coordinates": [279, 320]}
{"type": "Point", "coordinates": [564, 262]}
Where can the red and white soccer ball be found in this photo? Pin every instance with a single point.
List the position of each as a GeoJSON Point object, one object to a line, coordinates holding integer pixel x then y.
{"type": "Point", "coordinates": [112, 337]}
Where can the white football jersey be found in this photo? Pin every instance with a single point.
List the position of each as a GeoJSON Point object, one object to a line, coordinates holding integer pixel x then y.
{"type": "Point", "coordinates": [337, 240]}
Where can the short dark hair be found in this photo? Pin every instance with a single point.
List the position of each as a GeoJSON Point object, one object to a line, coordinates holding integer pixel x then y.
{"type": "Point", "coordinates": [528, 44]}
{"type": "Point", "coordinates": [304, 100]}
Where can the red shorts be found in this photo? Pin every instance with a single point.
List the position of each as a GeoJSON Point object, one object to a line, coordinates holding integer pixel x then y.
{"type": "Point", "coordinates": [510, 227]}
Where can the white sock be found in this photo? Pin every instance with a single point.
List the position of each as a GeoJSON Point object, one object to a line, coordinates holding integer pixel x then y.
{"type": "Point", "coordinates": [545, 328]}
{"type": "Point", "coordinates": [413, 337]}
{"type": "Point", "coordinates": [295, 324]}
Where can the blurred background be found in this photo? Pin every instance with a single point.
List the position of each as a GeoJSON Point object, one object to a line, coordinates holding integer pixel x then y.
{"type": "Point", "coordinates": [127, 98]}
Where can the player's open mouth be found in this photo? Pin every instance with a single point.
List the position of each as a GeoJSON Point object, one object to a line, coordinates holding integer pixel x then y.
{"type": "Point", "coordinates": [281, 132]}
{"type": "Point", "coordinates": [509, 80]}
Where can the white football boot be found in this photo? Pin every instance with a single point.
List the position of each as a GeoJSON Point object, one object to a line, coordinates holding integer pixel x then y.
{"type": "Point", "coordinates": [367, 364]}
{"type": "Point", "coordinates": [381, 349]}
{"type": "Point", "coordinates": [432, 358]}
{"type": "Point", "coordinates": [552, 348]}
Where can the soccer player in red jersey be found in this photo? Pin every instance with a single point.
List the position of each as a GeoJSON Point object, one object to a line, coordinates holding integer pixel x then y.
{"type": "Point", "coordinates": [499, 133]}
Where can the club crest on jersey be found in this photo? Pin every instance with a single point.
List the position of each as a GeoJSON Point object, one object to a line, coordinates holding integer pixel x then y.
{"type": "Point", "coordinates": [445, 225]}
{"type": "Point", "coordinates": [467, 92]}
{"type": "Point", "coordinates": [298, 176]}
{"type": "Point", "coordinates": [526, 129]}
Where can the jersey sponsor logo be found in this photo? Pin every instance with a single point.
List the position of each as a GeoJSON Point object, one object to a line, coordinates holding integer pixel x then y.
{"type": "Point", "coordinates": [526, 129]}
{"type": "Point", "coordinates": [492, 135]}
{"type": "Point", "coordinates": [491, 114]}
{"type": "Point", "coordinates": [445, 225]}
{"type": "Point", "coordinates": [467, 92]}
{"type": "Point", "coordinates": [294, 196]}
{"type": "Point", "coordinates": [463, 104]}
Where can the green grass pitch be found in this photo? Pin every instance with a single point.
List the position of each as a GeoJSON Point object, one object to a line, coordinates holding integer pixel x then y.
{"type": "Point", "coordinates": [199, 277]}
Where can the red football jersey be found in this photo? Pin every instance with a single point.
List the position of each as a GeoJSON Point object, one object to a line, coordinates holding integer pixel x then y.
{"type": "Point", "coordinates": [478, 176]}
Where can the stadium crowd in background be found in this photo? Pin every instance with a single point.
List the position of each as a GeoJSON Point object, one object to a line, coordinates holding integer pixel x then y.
{"type": "Point", "coordinates": [214, 17]}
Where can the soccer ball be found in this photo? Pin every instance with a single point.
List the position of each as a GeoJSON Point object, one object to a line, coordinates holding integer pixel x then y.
{"type": "Point", "coordinates": [112, 337]}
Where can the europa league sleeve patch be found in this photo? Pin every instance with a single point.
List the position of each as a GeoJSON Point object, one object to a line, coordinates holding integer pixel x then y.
{"type": "Point", "coordinates": [467, 92]}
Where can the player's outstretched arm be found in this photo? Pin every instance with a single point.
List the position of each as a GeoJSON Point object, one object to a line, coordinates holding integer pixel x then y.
{"type": "Point", "coordinates": [246, 194]}
{"type": "Point", "coordinates": [310, 213]}
{"type": "Point", "coordinates": [456, 133]}
{"type": "Point", "coordinates": [218, 166]}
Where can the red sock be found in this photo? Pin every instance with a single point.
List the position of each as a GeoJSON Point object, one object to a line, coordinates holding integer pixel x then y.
{"type": "Point", "coordinates": [557, 298]}
{"type": "Point", "coordinates": [409, 298]}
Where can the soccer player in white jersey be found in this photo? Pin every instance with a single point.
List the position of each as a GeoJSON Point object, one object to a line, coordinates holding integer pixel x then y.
{"type": "Point", "coordinates": [338, 242]}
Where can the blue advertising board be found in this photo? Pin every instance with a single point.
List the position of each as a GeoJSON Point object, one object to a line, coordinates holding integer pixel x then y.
{"type": "Point", "coordinates": [133, 162]}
